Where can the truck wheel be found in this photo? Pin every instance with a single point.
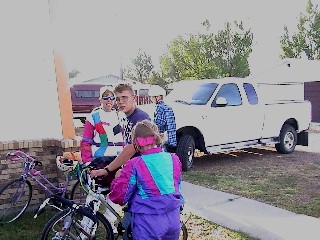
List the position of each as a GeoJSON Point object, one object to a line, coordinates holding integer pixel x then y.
{"type": "Point", "coordinates": [185, 151]}
{"type": "Point", "coordinates": [288, 139]}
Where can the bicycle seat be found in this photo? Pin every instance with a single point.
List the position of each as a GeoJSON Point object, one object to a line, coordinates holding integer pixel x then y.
{"type": "Point", "coordinates": [35, 172]}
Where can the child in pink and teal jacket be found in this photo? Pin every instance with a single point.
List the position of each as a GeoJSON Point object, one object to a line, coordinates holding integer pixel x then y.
{"type": "Point", "coordinates": [150, 185]}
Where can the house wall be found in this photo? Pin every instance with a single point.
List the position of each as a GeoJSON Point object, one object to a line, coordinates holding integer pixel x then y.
{"type": "Point", "coordinates": [312, 93]}
{"type": "Point", "coordinates": [28, 93]}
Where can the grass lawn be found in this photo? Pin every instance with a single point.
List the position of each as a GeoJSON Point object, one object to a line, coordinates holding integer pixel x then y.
{"type": "Point", "coordinates": [288, 181]}
{"type": "Point", "coordinates": [28, 228]}
{"type": "Point", "coordinates": [25, 228]}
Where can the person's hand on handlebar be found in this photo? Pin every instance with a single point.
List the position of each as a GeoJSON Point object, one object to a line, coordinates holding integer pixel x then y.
{"type": "Point", "coordinates": [98, 173]}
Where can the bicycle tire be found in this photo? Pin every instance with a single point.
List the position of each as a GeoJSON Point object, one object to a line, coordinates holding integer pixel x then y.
{"type": "Point", "coordinates": [183, 232]}
{"type": "Point", "coordinates": [56, 223]}
{"type": "Point", "coordinates": [15, 198]}
{"type": "Point", "coordinates": [78, 194]}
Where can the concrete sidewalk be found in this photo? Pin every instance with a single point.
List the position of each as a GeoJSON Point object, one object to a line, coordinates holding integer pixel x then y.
{"type": "Point", "coordinates": [252, 217]}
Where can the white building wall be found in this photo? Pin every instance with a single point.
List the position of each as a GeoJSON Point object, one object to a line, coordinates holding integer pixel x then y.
{"type": "Point", "coordinates": [28, 89]}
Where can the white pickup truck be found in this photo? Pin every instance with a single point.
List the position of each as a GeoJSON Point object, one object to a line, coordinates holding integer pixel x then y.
{"type": "Point", "coordinates": [232, 113]}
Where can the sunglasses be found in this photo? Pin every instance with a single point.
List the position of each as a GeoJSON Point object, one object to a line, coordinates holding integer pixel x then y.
{"type": "Point", "coordinates": [110, 98]}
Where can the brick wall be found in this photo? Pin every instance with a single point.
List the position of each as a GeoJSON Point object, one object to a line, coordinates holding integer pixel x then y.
{"type": "Point", "coordinates": [45, 151]}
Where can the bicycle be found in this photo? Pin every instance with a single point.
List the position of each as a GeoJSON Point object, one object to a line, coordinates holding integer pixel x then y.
{"type": "Point", "coordinates": [69, 224]}
{"type": "Point", "coordinates": [96, 196]}
{"type": "Point", "coordinates": [16, 195]}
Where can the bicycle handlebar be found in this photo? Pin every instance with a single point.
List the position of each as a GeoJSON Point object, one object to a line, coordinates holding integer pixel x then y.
{"type": "Point", "coordinates": [78, 208]}
{"type": "Point", "coordinates": [18, 155]}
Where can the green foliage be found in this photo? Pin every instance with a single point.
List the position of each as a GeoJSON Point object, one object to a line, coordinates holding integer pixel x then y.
{"type": "Point", "coordinates": [142, 67]}
{"type": "Point", "coordinates": [26, 227]}
{"type": "Point", "coordinates": [307, 40]}
{"type": "Point", "coordinates": [206, 55]}
{"type": "Point", "coordinates": [156, 79]}
{"type": "Point", "coordinates": [73, 73]}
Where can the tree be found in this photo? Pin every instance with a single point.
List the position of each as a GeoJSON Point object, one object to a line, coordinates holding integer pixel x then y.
{"type": "Point", "coordinates": [205, 55]}
{"type": "Point", "coordinates": [157, 79]}
{"type": "Point", "coordinates": [307, 40]}
{"type": "Point", "coordinates": [74, 73]}
{"type": "Point", "coordinates": [142, 67]}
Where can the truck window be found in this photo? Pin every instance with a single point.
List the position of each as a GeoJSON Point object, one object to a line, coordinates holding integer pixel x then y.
{"type": "Point", "coordinates": [251, 93]}
{"type": "Point", "coordinates": [193, 94]}
{"type": "Point", "coordinates": [231, 93]}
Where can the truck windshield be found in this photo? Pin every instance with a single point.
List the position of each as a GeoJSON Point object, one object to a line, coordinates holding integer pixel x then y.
{"type": "Point", "coordinates": [192, 94]}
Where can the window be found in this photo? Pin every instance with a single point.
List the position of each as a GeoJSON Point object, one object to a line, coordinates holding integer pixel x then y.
{"type": "Point", "coordinates": [193, 94]}
{"type": "Point", "coordinates": [87, 93]}
{"type": "Point", "coordinates": [143, 92]}
{"type": "Point", "coordinates": [231, 93]}
{"type": "Point", "coordinates": [251, 93]}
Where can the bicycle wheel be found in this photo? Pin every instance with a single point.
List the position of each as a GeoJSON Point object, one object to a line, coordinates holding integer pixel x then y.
{"type": "Point", "coordinates": [183, 232]}
{"type": "Point", "coordinates": [14, 199]}
{"type": "Point", "coordinates": [78, 194]}
{"type": "Point", "coordinates": [76, 230]}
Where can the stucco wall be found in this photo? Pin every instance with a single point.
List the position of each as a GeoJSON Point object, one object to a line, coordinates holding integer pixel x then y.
{"type": "Point", "coordinates": [28, 93]}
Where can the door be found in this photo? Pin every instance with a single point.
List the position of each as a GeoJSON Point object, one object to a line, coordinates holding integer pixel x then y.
{"type": "Point", "coordinates": [232, 118]}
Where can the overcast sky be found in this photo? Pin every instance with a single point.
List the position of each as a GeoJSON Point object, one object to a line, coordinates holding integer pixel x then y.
{"type": "Point", "coordinates": [94, 35]}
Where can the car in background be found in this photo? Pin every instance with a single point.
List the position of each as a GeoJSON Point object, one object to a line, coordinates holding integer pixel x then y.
{"type": "Point", "coordinates": [84, 98]}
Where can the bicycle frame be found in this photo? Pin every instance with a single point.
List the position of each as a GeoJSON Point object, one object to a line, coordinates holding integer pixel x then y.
{"type": "Point", "coordinates": [52, 189]}
{"type": "Point", "coordinates": [36, 176]}
{"type": "Point", "coordinates": [101, 199]}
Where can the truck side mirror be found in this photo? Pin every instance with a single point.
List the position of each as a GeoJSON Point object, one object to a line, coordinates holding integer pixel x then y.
{"type": "Point", "coordinates": [221, 102]}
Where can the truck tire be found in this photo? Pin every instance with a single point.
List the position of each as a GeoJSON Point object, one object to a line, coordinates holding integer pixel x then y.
{"type": "Point", "coordinates": [287, 139]}
{"type": "Point", "coordinates": [185, 151]}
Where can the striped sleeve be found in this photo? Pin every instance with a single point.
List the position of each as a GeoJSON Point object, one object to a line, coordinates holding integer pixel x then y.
{"type": "Point", "coordinates": [124, 186]}
{"type": "Point", "coordinates": [177, 175]}
{"type": "Point", "coordinates": [86, 142]}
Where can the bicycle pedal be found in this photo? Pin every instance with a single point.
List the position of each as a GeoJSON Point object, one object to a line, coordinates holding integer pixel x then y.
{"type": "Point", "coordinates": [39, 212]}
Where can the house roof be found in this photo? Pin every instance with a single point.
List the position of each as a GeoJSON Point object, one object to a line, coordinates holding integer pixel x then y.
{"type": "Point", "coordinates": [109, 80]}
{"type": "Point", "coordinates": [290, 70]}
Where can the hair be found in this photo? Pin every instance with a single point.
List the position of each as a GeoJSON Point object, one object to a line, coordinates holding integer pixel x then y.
{"type": "Point", "coordinates": [146, 128]}
{"type": "Point", "coordinates": [124, 87]}
{"type": "Point", "coordinates": [105, 90]}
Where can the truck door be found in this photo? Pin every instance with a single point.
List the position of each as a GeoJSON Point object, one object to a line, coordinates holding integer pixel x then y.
{"type": "Point", "coordinates": [231, 118]}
